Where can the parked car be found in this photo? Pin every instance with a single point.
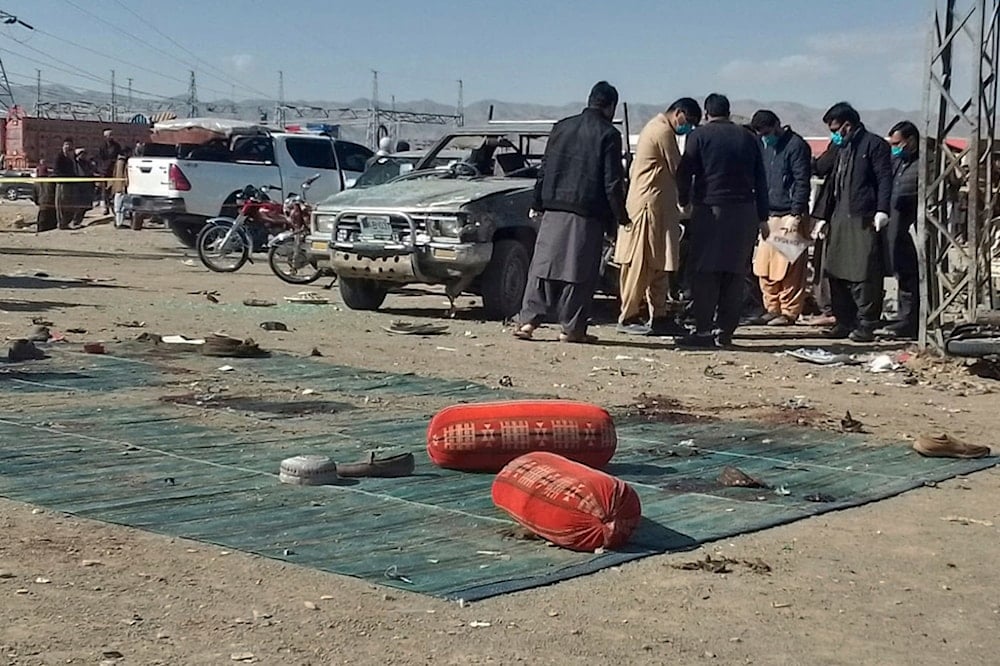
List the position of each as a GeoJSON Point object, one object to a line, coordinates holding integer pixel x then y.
{"type": "Point", "coordinates": [195, 168]}
{"type": "Point", "coordinates": [465, 225]}
{"type": "Point", "coordinates": [14, 191]}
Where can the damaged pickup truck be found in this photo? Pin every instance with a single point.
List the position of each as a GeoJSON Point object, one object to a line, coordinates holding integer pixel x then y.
{"type": "Point", "coordinates": [463, 224]}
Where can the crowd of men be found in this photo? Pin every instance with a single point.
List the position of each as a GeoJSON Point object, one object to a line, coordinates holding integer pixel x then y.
{"type": "Point", "coordinates": [739, 196]}
{"type": "Point", "coordinates": [76, 179]}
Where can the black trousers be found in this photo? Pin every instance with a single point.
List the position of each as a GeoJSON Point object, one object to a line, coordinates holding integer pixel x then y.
{"type": "Point", "coordinates": [717, 301]}
{"type": "Point", "coordinates": [857, 304]}
{"type": "Point", "coordinates": [909, 299]}
{"type": "Point", "coordinates": [569, 302]}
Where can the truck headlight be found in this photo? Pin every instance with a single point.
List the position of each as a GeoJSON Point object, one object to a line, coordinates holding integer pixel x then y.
{"type": "Point", "coordinates": [323, 223]}
{"type": "Point", "coordinates": [449, 227]}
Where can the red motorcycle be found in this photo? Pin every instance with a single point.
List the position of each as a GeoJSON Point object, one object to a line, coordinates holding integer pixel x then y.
{"type": "Point", "coordinates": [224, 244]}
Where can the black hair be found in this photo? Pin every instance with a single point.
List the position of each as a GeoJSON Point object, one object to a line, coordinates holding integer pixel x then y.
{"type": "Point", "coordinates": [402, 146]}
{"type": "Point", "coordinates": [764, 120]}
{"type": "Point", "coordinates": [717, 106]}
{"type": "Point", "coordinates": [67, 140]}
{"type": "Point", "coordinates": [689, 107]}
{"type": "Point", "coordinates": [906, 129]}
{"type": "Point", "coordinates": [842, 112]}
{"type": "Point", "coordinates": [603, 96]}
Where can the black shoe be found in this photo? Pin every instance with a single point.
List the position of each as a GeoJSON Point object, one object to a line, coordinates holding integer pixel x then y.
{"type": "Point", "coordinates": [839, 332]}
{"type": "Point", "coordinates": [862, 335]}
{"type": "Point", "coordinates": [723, 341]}
{"type": "Point", "coordinates": [902, 330]}
{"type": "Point", "coordinates": [697, 341]}
{"type": "Point", "coordinates": [667, 326]}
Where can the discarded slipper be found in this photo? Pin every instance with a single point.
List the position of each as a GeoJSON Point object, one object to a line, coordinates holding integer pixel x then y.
{"type": "Point", "coordinates": [24, 350]}
{"type": "Point", "coordinates": [258, 303]}
{"type": "Point", "coordinates": [946, 446]}
{"type": "Point", "coordinates": [410, 328]}
{"type": "Point", "coordinates": [273, 326]}
{"type": "Point", "coordinates": [310, 297]}
{"type": "Point", "coordinates": [391, 467]}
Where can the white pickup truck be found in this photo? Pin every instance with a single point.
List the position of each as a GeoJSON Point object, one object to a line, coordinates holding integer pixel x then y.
{"type": "Point", "coordinates": [185, 184]}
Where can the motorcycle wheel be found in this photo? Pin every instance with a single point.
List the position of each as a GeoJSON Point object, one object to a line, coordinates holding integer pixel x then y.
{"type": "Point", "coordinates": [220, 255]}
{"type": "Point", "coordinates": [289, 262]}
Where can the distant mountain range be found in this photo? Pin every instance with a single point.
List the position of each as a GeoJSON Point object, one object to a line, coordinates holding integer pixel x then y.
{"type": "Point", "coordinates": [804, 119]}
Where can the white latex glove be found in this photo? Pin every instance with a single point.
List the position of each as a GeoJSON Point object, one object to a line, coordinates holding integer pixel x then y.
{"type": "Point", "coordinates": [881, 221]}
{"type": "Point", "coordinates": [819, 229]}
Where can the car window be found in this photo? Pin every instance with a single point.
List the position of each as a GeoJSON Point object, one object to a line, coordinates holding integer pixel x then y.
{"type": "Point", "coordinates": [253, 149]}
{"type": "Point", "coordinates": [351, 156]}
{"type": "Point", "coordinates": [311, 153]}
{"type": "Point", "coordinates": [385, 169]}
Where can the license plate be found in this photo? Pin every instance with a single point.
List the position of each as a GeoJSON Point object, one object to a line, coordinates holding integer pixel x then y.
{"type": "Point", "coordinates": [375, 227]}
{"type": "Point", "coordinates": [319, 246]}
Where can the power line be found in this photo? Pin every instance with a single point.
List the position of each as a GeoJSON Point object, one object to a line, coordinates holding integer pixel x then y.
{"type": "Point", "coordinates": [119, 29]}
{"type": "Point", "coordinates": [180, 46]}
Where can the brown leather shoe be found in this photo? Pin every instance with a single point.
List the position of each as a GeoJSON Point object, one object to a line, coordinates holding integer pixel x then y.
{"type": "Point", "coordinates": [946, 446]}
{"type": "Point", "coordinates": [391, 467]}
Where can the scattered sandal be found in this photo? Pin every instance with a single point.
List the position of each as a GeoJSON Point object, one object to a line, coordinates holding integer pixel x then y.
{"type": "Point", "coordinates": [946, 446]}
{"type": "Point", "coordinates": [409, 328]}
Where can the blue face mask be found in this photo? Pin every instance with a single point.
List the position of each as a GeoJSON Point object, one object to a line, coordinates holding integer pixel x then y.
{"type": "Point", "coordinates": [681, 130]}
{"type": "Point", "coordinates": [770, 140]}
{"type": "Point", "coordinates": [898, 151]}
{"type": "Point", "coordinates": [838, 139]}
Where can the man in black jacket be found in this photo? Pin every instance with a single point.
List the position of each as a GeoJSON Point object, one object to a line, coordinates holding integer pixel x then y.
{"type": "Point", "coordinates": [107, 156]}
{"type": "Point", "coordinates": [855, 203]}
{"type": "Point", "coordinates": [65, 196]}
{"type": "Point", "coordinates": [580, 196]}
{"type": "Point", "coordinates": [900, 250]}
{"type": "Point", "coordinates": [788, 160]}
{"type": "Point", "coordinates": [722, 174]}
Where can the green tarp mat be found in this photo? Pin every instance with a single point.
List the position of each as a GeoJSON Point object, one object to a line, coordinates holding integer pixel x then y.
{"type": "Point", "coordinates": [161, 468]}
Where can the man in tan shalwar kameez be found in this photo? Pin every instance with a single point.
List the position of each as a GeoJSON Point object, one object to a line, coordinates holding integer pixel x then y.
{"type": "Point", "coordinates": [648, 248]}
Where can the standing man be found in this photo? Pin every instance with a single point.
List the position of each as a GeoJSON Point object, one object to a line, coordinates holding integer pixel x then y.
{"type": "Point", "coordinates": [901, 252]}
{"type": "Point", "coordinates": [648, 247]}
{"type": "Point", "coordinates": [65, 167]}
{"type": "Point", "coordinates": [788, 161]}
{"type": "Point", "coordinates": [107, 156]}
{"type": "Point", "coordinates": [722, 175]}
{"type": "Point", "coordinates": [580, 195]}
{"type": "Point", "coordinates": [857, 210]}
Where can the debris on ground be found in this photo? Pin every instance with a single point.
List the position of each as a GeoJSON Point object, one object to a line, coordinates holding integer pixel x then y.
{"type": "Point", "coordinates": [882, 363]}
{"type": "Point", "coordinates": [712, 373]}
{"type": "Point", "coordinates": [820, 357]}
{"type": "Point", "coordinates": [986, 368]}
{"type": "Point", "coordinates": [131, 324]}
{"type": "Point", "coordinates": [506, 381]}
{"type": "Point", "coordinates": [661, 409]}
{"type": "Point", "coordinates": [851, 424]}
{"type": "Point", "coordinates": [94, 348]}
{"type": "Point", "coordinates": [273, 326]}
{"type": "Point", "coordinates": [181, 340]}
{"type": "Point", "coordinates": [821, 498]}
{"type": "Point", "coordinates": [39, 334]}
{"type": "Point", "coordinates": [723, 565]}
{"type": "Point", "coordinates": [77, 331]}
{"type": "Point", "coordinates": [518, 534]}
{"type": "Point", "coordinates": [733, 477]}
{"type": "Point", "coordinates": [224, 345]}
{"type": "Point", "coordinates": [308, 297]}
{"type": "Point", "coordinates": [41, 321]}
{"type": "Point", "coordinates": [967, 521]}
{"type": "Point", "coordinates": [315, 352]}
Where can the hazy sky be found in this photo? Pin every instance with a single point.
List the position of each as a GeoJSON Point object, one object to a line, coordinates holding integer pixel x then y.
{"type": "Point", "coordinates": [542, 51]}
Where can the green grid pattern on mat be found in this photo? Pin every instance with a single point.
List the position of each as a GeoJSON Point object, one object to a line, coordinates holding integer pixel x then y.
{"type": "Point", "coordinates": [438, 528]}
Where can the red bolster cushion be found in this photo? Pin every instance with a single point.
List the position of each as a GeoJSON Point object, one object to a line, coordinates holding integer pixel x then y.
{"type": "Point", "coordinates": [569, 504]}
{"type": "Point", "coordinates": [483, 437]}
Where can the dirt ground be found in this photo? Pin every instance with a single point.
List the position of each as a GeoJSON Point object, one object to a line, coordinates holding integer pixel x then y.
{"type": "Point", "coordinates": [897, 582]}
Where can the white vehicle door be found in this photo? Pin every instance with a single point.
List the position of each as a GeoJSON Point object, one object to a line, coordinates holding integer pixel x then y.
{"type": "Point", "coordinates": [352, 159]}
{"type": "Point", "coordinates": [304, 157]}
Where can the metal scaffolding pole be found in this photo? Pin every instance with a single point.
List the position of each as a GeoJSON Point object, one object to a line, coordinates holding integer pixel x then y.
{"type": "Point", "coordinates": [958, 176]}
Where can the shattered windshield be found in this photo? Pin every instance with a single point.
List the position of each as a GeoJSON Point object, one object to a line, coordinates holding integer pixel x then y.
{"type": "Point", "coordinates": [503, 155]}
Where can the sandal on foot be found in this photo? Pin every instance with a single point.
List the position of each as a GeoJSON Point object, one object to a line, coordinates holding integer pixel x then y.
{"type": "Point", "coordinates": [578, 338]}
{"type": "Point", "coordinates": [524, 332]}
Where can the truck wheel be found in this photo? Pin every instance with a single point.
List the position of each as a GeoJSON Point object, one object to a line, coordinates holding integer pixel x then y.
{"type": "Point", "coordinates": [362, 294]}
{"type": "Point", "coordinates": [11, 193]}
{"type": "Point", "coordinates": [185, 232]}
{"type": "Point", "coordinates": [504, 280]}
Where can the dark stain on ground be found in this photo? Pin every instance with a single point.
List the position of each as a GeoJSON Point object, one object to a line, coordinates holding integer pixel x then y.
{"type": "Point", "coordinates": [780, 416]}
{"type": "Point", "coordinates": [661, 409]}
{"type": "Point", "coordinates": [274, 408]}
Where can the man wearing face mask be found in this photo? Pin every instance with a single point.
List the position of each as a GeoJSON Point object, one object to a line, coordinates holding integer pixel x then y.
{"type": "Point", "coordinates": [857, 210]}
{"type": "Point", "coordinates": [647, 249]}
{"type": "Point", "coordinates": [900, 250]}
{"type": "Point", "coordinates": [788, 161]}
